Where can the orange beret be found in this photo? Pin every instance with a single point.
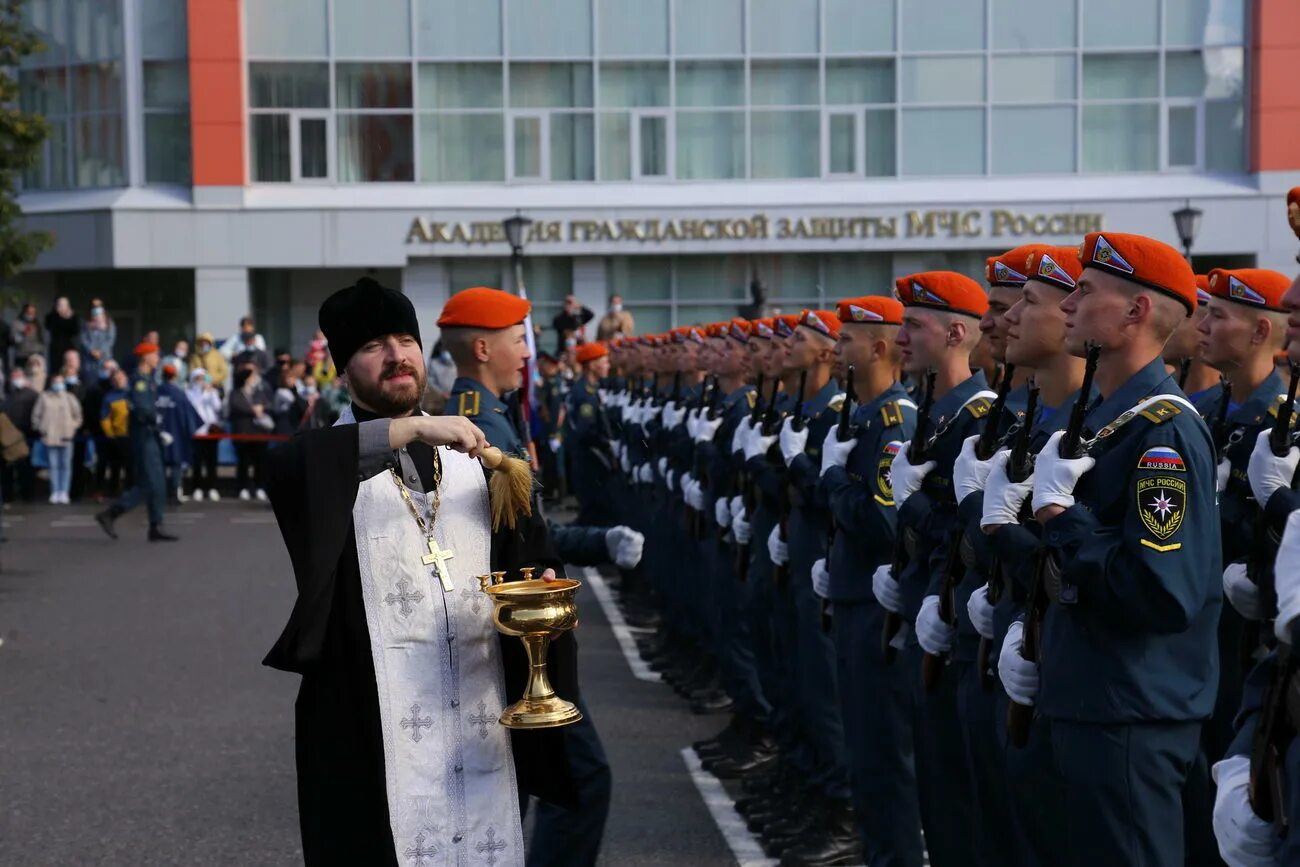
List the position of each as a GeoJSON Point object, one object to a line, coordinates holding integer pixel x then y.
{"type": "Point", "coordinates": [1293, 210]}
{"type": "Point", "coordinates": [169, 370]}
{"type": "Point", "coordinates": [1256, 287]}
{"type": "Point", "coordinates": [1058, 267]}
{"type": "Point", "coordinates": [481, 307]}
{"type": "Point", "coordinates": [716, 329]}
{"type": "Point", "coordinates": [824, 322]}
{"type": "Point", "coordinates": [942, 290]}
{"type": "Point", "coordinates": [871, 308]}
{"type": "Point", "coordinates": [145, 349]}
{"type": "Point", "coordinates": [1144, 261]}
{"type": "Point", "coordinates": [1203, 289]}
{"type": "Point", "coordinates": [785, 324]}
{"type": "Point", "coordinates": [765, 328]}
{"type": "Point", "coordinates": [590, 352]}
{"type": "Point", "coordinates": [1009, 269]}
{"type": "Point", "coordinates": [694, 333]}
{"type": "Point", "coordinates": [740, 329]}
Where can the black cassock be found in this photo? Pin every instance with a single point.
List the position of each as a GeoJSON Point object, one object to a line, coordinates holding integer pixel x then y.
{"type": "Point", "coordinates": [342, 799]}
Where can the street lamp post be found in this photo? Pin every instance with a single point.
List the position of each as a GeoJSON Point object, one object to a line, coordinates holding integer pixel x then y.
{"type": "Point", "coordinates": [1187, 220]}
{"type": "Point", "coordinates": [515, 227]}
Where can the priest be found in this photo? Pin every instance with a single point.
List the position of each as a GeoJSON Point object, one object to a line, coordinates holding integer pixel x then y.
{"type": "Point", "coordinates": [386, 517]}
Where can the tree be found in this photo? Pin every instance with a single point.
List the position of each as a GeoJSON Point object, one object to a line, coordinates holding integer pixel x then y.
{"type": "Point", "coordinates": [21, 135]}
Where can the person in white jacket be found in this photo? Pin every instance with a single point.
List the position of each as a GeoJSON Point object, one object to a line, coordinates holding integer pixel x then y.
{"type": "Point", "coordinates": [206, 400]}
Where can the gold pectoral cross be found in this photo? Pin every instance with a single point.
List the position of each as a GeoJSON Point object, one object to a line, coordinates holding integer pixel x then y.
{"type": "Point", "coordinates": [437, 558]}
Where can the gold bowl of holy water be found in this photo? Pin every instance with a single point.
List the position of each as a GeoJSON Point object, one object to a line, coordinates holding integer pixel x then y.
{"type": "Point", "coordinates": [535, 612]}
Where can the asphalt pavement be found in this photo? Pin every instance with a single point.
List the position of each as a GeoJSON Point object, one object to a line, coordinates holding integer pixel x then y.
{"type": "Point", "coordinates": [138, 727]}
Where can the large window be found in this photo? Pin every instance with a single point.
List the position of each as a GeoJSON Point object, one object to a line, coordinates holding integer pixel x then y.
{"type": "Point", "coordinates": [659, 90]}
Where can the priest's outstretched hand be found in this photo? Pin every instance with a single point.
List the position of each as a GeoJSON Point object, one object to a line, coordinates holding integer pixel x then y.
{"type": "Point", "coordinates": [455, 431]}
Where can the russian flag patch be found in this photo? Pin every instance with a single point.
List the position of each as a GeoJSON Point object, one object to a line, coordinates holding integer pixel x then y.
{"type": "Point", "coordinates": [1163, 459]}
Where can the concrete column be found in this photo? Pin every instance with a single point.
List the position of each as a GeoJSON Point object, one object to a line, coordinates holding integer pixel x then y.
{"type": "Point", "coordinates": [221, 298]}
{"type": "Point", "coordinates": [591, 288]}
{"type": "Point", "coordinates": [426, 283]}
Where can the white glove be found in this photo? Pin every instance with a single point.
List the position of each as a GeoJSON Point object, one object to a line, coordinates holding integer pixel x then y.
{"type": "Point", "coordinates": [646, 475]}
{"type": "Point", "coordinates": [740, 526]}
{"type": "Point", "coordinates": [722, 512]}
{"type": "Point", "coordinates": [934, 636]}
{"type": "Point", "coordinates": [1267, 472]}
{"type": "Point", "coordinates": [744, 431]}
{"type": "Point", "coordinates": [981, 611]}
{"type": "Point", "coordinates": [1286, 578]}
{"type": "Point", "coordinates": [1055, 477]}
{"type": "Point", "coordinates": [694, 496]}
{"type": "Point", "coordinates": [1241, 591]}
{"type": "Point", "coordinates": [1245, 840]}
{"type": "Point", "coordinates": [706, 428]}
{"type": "Point", "coordinates": [685, 482]}
{"type": "Point", "coordinates": [625, 546]}
{"type": "Point", "coordinates": [834, 452]}
{"type": "Point", "coordinates": [554, 443]}
{"type": "Point", "coordinates": [603, 394]}
{"type": "Point", "coordinates": [969, 473]}
{"type": "Point", "coordinates": [1222, 473]}
{"type": "Point", "coordinates": [1002, 497]}
{"type": "Point", "coordinates": [793, 442]}
{"type": "Point", "coordinates": [821, 579]}
{"type": "Point", "coordinates": [663, 468]}
{"type": "Point", "coordinates": [905, 478]}
{"type": "Point", "coordinates": [886, 589]}
{"type": "Point", "coordinates": [672, 415]}
{"type": "Point", "coordinates": [692, 416]}
{"type": "Point", "coordinates": [624, 461]}
{"type": "Point", "coordinates": [165, 438]}
{"type": "Point", "coordinates": [777, 548]}
{"type": "Point", "coordinates": [1019, 675]}
{"type": "Point", "coordinates": [668, 481]}
{"type": "Point", "coordinates": [757, 444]}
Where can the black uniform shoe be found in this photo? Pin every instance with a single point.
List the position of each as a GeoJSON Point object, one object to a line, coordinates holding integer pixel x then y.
{"type": "Point", "coordinates": [838, 843]}
{"type": "Point", "coordinates": [156, 534]}
{"type": "Point", "coordinates": [790, 831]}
{"type": "Point", "coordinates": [733, 767]}
{"type": "Point", "coordinates": [105, 520]}
{"type": "Point", "coordinates": [715, 701]}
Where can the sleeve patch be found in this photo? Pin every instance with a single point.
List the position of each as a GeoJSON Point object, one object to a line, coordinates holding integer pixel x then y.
{"type": "Point", "coordinates": [884, 480]}
{"type": "Point", "coordinates": [140, 385]}
{"type": "Point", "coordinates": [1162, 459]}
{"type": "Point", "coordinates": [1162, 503]}
{"type": "Point", "coordinates": [836, 403]}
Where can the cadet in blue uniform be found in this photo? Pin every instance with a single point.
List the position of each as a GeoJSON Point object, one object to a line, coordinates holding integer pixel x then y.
{"type": "Point", "coordinates": [939, 331]}
{"type": "Point", "coordinates": [587, 439]}
{"type": "Point", "coordinates": [856, 486]}
{"type": "Point", "coordinates": [1035, 343]}
{"type": "Point", "coordinates": [1129, 665]}
{"type": "Point", "coordinates": [484, 331]}
{"type": "Point", "coordinates": [550, 417]}
{"type": "Point", "coordinates": [147, 441]}
{"type": "Point", "coordinates": [801, 543]}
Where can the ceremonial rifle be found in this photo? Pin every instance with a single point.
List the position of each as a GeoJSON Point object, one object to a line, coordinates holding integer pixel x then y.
{"type": "Point", "coordinates": [1219, 429]}
{"type": "Point", "coordinates": [1184, 368]}
{"type": "Point", "coordinates": [781, 571]}
{"type": "Point", "coordinates": [1020, 716]}
{"type": "Point", "coordinates": [954, 568]}
{"type": "Point", "coordinates": [1020, 465]}
{"type": "Point", "coordinates": [749, 497]}
{"type": "Point", "coordinates": [843, 433]}
{"type": "Point", "coordinates": [917, 451]}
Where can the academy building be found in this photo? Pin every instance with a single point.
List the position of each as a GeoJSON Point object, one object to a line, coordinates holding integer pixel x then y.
{"type": "Point", "coordinates": [215, 157]}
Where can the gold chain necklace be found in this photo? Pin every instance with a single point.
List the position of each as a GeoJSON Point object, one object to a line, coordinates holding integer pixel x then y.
{"type": "Point", "coordinates": [436, 557]}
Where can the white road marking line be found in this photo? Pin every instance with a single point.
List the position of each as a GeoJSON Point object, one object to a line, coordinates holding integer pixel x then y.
{"type": "Point", "coordinates": [744, 845]}
{"type": "Point", "coordinates": [622, 632]}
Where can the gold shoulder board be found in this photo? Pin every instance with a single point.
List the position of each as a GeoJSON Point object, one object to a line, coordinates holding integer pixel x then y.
{"type": "Point", "coordinates": [469, 401]}
{"type": "Point", "coordinates": [979, 408]}
{"type": "Point", "coordinates": [1161, 411]}
{"type": "Point", "coordinates": [891, 414]}
{"type": "Point", "coordinates": [836, 404]}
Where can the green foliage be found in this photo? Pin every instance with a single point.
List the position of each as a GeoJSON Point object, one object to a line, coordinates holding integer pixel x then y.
{"type": "Point", "coordinates": [21, 137]}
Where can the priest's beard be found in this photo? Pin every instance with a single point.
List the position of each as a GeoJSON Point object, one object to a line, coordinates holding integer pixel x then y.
{"type": "Point", "coordinates": [386, 398]}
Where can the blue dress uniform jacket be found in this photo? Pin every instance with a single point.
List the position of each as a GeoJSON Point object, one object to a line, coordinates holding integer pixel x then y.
{"type": "Point", "coordinates": [475, 401]}
{"type": "Point", "coordinates": [931, 511]}
{"type": "Point", "coordinates": [1141, 548]}
{"type": "Point", "coordinates": [860, 497]}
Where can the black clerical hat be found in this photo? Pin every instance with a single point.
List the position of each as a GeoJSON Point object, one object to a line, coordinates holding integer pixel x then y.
{"type": "Point", "coordinates": [354, 316]}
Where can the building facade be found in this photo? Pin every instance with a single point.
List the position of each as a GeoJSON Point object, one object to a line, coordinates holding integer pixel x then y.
{"type": "Point", "coordinates": [212, 158]}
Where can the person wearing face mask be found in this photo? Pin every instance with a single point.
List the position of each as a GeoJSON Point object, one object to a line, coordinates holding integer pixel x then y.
{"type": "Point", "coordinates": [242, 339]}
{"type": "Point", "coordinates": [250, 414]}
{"type": "Point", "coordinates": [98, 339]}
{"type": "Point", "coordinates": [208, 358]}
{"type": "Point", "coordinates": [206, 401]}
{"type": "Point", "coordinates": [57, 418]}
{"type": "Point", "coordinates": [21, 403]}
{"type": "Point", "coordinates": [617, 322]}
{"type": "Point", "coordinates": [570, 324]}
{"type": "Point", "coordinates": [28, 335]}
